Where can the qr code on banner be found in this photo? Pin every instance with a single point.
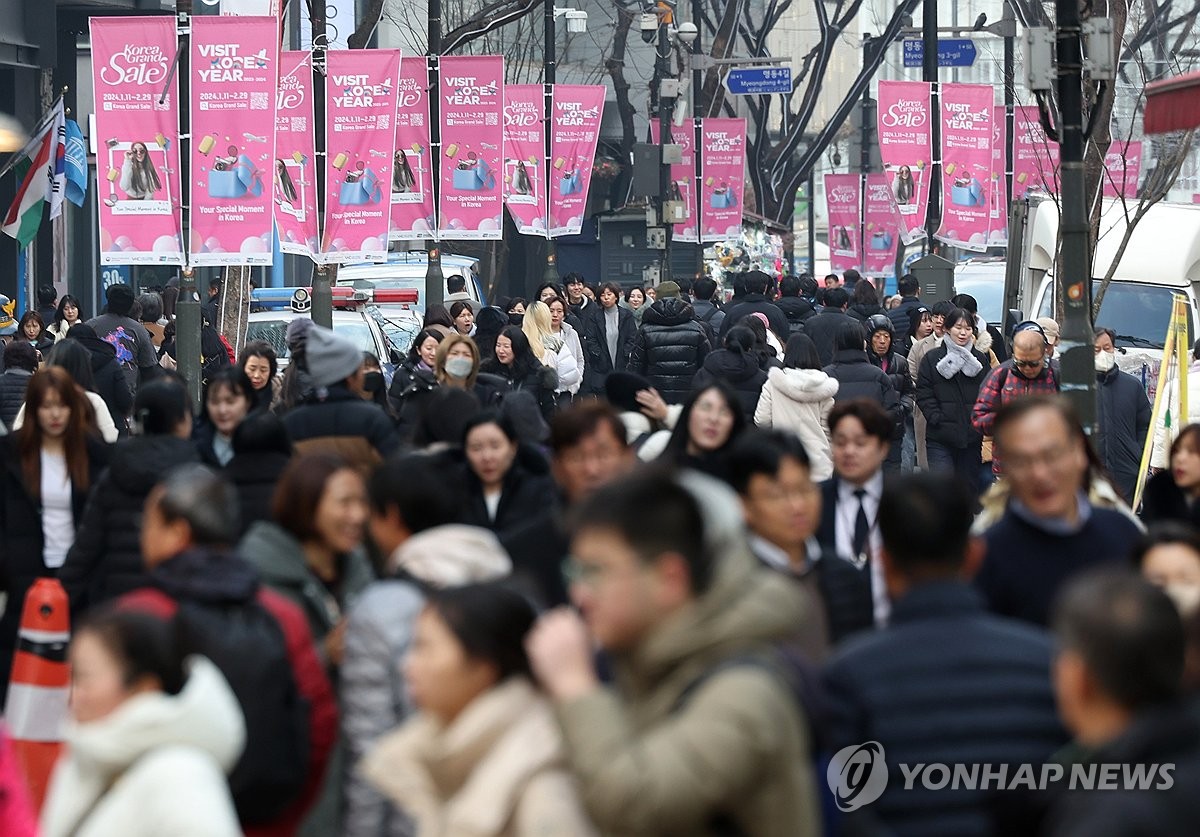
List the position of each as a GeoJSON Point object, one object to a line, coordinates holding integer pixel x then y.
{"type": "Point", "coordinates": [491, 119]}
{"type": "Point", "coordinates": [385, 122]}
{"type": "Point", "coordinates": [259, 100]}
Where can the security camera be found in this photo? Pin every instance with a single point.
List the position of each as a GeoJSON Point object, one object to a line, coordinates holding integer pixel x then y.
{"type": "Point", "coordinates": [980, 22]}
{"type": "Point", "coordinates": [687, 32]}
{"type": "Point", "coordinates": [577, 21]}
{"type": "Point", "coordinates": [648, 26]}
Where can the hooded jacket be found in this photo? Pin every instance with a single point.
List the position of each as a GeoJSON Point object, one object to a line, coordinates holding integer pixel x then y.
{"type": "Point", "coordinates": [799, 401]}
{"type": "Point", "coordinates": [669, 348]}
{"type": "Point", "coordinates": [279, 558]}
{"type": "Point", "coordinates": [857, 377]}
{"type": "Point", "coordinates": [752, 304]}
{"type": "Point", "coordinates": [498, 770]}
{"type": "Point", "coordinates": [255, 474]}
{"type": "Point", "coordinates": [13, 383]}
{"type": "Point", "coordinates": [106, 558]}
{"type": "Point", "coordinates": [740, 371]}
{"type": "Point", "coordinates": [341, 422]}
{"type": "Point", "coordinates": [798, 310]}
{"type": "Point", "coordinates": [156, 765]}
{"type": "Point", "coordinates": [107, 375]}
{"type": "Point", "coordinates": [379, 632]}
{"type": "Point", "coordinates": [527, 493]}
{"type": "Point", "coordinates": [686, 736]}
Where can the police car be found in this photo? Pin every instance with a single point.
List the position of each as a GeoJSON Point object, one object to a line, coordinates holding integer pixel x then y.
{"type": "Point", "coordinates": [385, 329]}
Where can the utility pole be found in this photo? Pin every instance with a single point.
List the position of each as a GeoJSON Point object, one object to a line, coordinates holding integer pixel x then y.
{"type": "Point", "coordinates": [187, 309]}
{"type": "Point", "coordinates": [697, 134]}
{"type": "Point", "coordinates": [1009, 33]}
{"type": "Point", "coordinates": [864, 159]}
{"type": "Point", "coordinates": [663, 71]}
{"type": "Point", "coordinates": [322, 287]}
{"type": "Point", "coordinates": [929, 73]}
{"type": "Point", "coordinates": [435, 282]}
{"type": "Point", "coordinates": [551, 61]}
{"type": "Point", "coordinates": [1078, 371]}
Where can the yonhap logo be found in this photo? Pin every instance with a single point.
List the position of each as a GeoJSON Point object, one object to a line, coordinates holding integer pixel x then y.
{"type": "Point", "coordinates": [857, 775]}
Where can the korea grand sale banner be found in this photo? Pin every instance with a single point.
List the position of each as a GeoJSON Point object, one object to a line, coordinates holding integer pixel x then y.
{"type": "Point", "coordinates": [234, 86]}
{"type": "Point", "coordinates": [137, 140]}
{"type": "Point", "coordinates": [906, 149]}
{"type": "Point", "coordinates": [296, 211]}
{"type": "Point", "coordinates": [525, 157]}
{"type": "Point", "coordinates": [412, 166]}
{"type": "Point", "coordinates": [471, 200]}
{"type": "Point", "coordinates": [360, 142]}
{"type": "Point", "coordinates": [843, 208]}
{"type": "Point", "coordinates": [683, 179]}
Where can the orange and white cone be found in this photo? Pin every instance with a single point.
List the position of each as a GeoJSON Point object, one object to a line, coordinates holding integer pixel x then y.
{"type": "Point", "coordinates": [40, 687]}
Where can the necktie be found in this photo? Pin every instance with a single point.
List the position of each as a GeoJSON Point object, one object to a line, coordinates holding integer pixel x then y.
{"type": "Point", "coordinates": [862, 528]}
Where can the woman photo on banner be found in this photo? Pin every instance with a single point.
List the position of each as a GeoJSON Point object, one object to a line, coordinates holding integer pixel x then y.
{"type": "Point", "coordinates": [139, 180]}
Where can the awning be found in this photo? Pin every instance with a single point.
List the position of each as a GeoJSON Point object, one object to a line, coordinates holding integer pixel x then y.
{"type": "Point", "coordinates": [1173, 104]}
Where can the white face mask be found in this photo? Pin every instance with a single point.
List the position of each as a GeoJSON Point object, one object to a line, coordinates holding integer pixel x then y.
{"type": "Point", "coordinates": [459, 367]}
{"type": "Point", "coordinates": [1105, 361]}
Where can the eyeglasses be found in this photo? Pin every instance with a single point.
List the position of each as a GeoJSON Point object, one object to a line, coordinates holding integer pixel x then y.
{"type": "Point", "coordinates": [1029, 364]}
{"type": "Point", "coordinates": [1024, 463]}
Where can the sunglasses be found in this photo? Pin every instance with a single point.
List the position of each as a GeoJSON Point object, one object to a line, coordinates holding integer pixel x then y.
{"type": "Point", "coordinates": [1029, 364]}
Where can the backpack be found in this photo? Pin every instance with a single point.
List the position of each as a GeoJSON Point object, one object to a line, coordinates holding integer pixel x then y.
{"type": "Point", "coordinates": [245, 642]}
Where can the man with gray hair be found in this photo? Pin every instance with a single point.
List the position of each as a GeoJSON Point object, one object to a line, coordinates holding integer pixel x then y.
{"type": "Point", "coordinates": [258, 639]}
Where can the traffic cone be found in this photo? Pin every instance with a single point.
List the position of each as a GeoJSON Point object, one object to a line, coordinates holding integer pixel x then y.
{"type": "Point", "coordinates": [40, 687]}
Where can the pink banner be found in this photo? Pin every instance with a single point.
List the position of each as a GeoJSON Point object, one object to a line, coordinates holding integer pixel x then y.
{"type": "Point", "coordinates": [906, 149]}
{"type": "Point", "coordinates": [723, 173]}
{"type": "Point", "coordinates": [296, 212]}
{"type": "Point", "coordinates": [843, 207]}
{"type": "Point", "coordinates": [966, 165]}
{"type": "Point", "coordinates": [137, 133]}
{"type": "Point", "coordinates": [998, 217]}
{"type": "Point", "coordinates": [525, 156]}
{"type": "Point", "coordinates": [412, 168]}
{"type": "Point", "coordinates": [574, 132]}
{"type": "Point", "coordinates": [882, 227]}
{"type": "Point", "coordinates": [683, 179]}
{"type": "Point", "coordinates": [1035, 157]}
{"type": "Point", "coordinates": [1122, 169]}
{"type": "Point", "coordinates": [360, 142]}
{"type": "Point", "coordinates": [235, 74]}
{"type": "Point", "coordinates": [472, 111]}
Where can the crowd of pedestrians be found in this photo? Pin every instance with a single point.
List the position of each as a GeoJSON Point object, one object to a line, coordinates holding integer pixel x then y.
{"type": "Point", "coordinates": [601, 561]}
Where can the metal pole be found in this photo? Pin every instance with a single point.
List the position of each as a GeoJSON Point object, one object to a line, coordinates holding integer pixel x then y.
{"type": "Point", "coordinates": [187, 309]}
{"type": "Point", "coordinates": [1009, 101]}
{"type": "Point", "coordinates": [663, 59]}
{"type": "Point", "coordinates": [697, 135]}
{"type": "Point", "coordinates": [435, 282]}
{"type": "Point", "coordinates": [929, 72]}
{"type": "Point", "coordinates": [322, 287]}
{"type": "Point", "coordinates": [864, 161]}
{"type": "Point", "coordinates": [812, 222]}
{"type": "Point", "coordinates": [1078, 371]}
{"type": "Point", "coordinates": [551, 58]}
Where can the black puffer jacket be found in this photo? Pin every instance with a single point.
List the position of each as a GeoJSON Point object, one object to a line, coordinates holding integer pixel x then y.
{"type": "Point", "coordinates": [254, 475]}
{"type": "Point", "coordinates": [858, 378]}
{"type": "Point", "coordinates": [897, 372]}
{"type": "Point", "coordinates": [740, 371]}
{"type": "Point", "coordinates": [862, 312]}
{"type": "Point", "coordinates": [21, 548]}
{"type": "Point", "coordinates": [533, 376]}
{"type": "Point", "coordinates": [342, 423]}
{"type": "Point", "coordinates": [797, 309]}
{"type": "Point", "coordinates": [669, 348]}
{"type": "Point", "coordinates": [406, 373]}
{"type": "Point", "coordinates": [12, 394]}
{"type": "Point", "coordinates": [106, 560]}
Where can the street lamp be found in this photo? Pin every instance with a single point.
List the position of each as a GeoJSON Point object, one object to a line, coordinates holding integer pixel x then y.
{"type": "Point", "coordinates": [576, 22]}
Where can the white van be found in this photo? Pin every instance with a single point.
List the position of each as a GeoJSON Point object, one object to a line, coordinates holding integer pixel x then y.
{"type": "Point", "coordinates": [1161, 260]}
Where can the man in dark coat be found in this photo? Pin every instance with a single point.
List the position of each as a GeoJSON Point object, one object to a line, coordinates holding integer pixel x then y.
{"type": "Point", "coordinates": [769, 470]}
{"type": "Point", "coordinates": [670, 346]}
{"type": "Point", "coordinates": [957, 661]}
{"type": "Point", "coordinates": [910, 300]}
{"type": "Point", "coordinates": [1123, 416]}
{"type": "Point", "coordinates": [857, 377]}
{"type": "Point", "coordinates": [708, 312]}
{"type": "Point", "coordinates": [823, 327]}
{"type": "Point", "coordinates": [20, 362]}
{"type": "Point", "coordinates": [756, 301]}
{"type": "Point", "coordinates": [334, 417]}
{"type": "Point", "coordinates": [795, 301]}
{"type": "Point", "coordinates": [107, 375]}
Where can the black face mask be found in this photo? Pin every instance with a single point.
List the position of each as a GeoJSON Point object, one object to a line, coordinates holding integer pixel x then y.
{"type": "Point", "coordinates": [516, 319]}
{"type": "Point", "coordinates": [373, 381]}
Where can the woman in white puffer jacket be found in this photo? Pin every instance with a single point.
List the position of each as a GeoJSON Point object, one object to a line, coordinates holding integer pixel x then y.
{"type": "Point", "coordinates": [151, 741]}
{"type": "Point", "coordinates": [798, 398]}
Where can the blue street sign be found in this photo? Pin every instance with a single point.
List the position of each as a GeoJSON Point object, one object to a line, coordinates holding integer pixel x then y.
{"type": "Point", "coordinates": [952, 52]}
{"type": "Point", "coordinates": [756, 81]}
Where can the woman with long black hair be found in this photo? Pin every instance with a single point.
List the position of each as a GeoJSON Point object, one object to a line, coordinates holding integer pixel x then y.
{"type": "Point", "coordinates": [516, 363]}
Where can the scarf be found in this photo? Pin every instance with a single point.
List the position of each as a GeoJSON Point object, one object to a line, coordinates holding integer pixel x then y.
{"type": "Point", "coordinates": [552, 342]}
{"type": "Point", "coordinates": [958, 359]}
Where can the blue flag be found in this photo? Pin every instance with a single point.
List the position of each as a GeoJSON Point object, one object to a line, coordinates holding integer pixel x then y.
{"type": "Point", "coordinates": [76, 164]}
